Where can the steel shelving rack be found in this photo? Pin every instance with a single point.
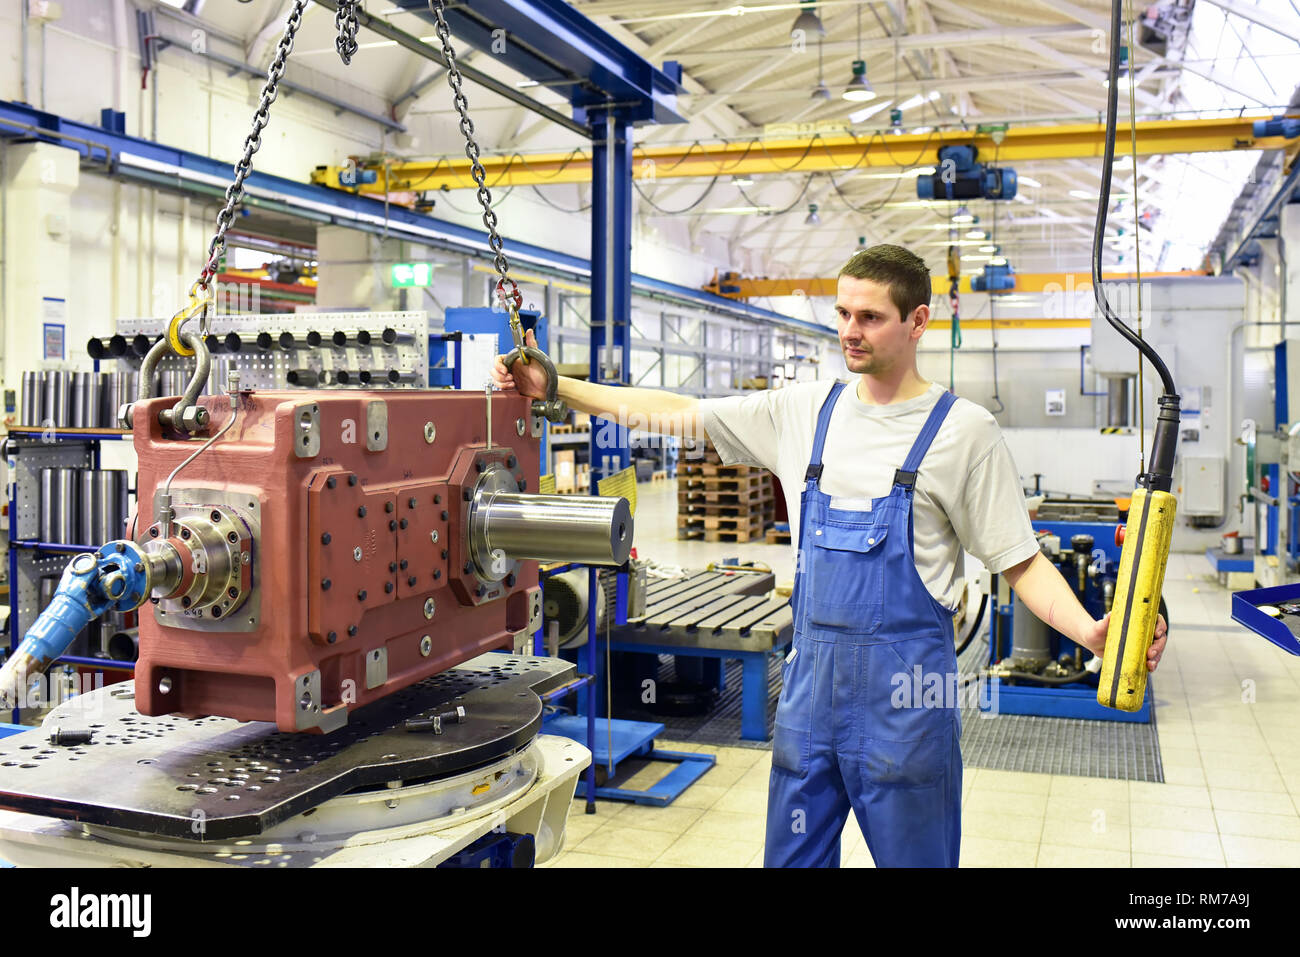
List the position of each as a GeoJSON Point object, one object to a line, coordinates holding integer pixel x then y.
{"type": "Point", "coordinates": [28, 449]}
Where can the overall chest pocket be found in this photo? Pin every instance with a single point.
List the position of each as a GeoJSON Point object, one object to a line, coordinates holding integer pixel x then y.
{"type": "Point", "coordinates": [846, 576]}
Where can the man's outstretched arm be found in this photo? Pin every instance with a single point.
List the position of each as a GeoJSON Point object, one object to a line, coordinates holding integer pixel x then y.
{"type": "Point", "coordinates": [1044, 592]}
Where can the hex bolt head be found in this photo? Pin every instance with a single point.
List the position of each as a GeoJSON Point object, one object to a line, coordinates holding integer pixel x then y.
{"type": "Point", "coordinates": [426, 646]}
{"type": "Point", "coordinates": [402, 566]}
{"type": "Point", "coordinates": [357, 554]}
{"type": "Point", "coordinates": [511, 462]}
{"type": "Point", "coordinates": [444, 554]}
{"type": "Point", "coordinates": [480, 590]}
{"type": "Point", "coordinates": [433, 536]}
{"type": "Point", "coordinates": [469, 567]}
{"type": "Point", "coordinates": [331, 482]}
{"type": "Point", "coordinates": [444, 515]}
{"type": "Point", "coordinates": [388, 506]}
{"type": "Point", "coordinates": [411, 581]}
{"type": "Point", "coordinates": [325, 538]}
{"type": "Point", "coordinates": [352, 630]}
{"type": "Point", "coordinates": [437, 573]}
{"type": "Point", "coordinates": [325, 584]}
{"type": "Point", "coordinates": [388, 588]}
{"type": "Point", "coordinates": [352, 480]}
{"type": "Point", "coordinates": [361, 595]}
{"type": "Point", "coordinates": [361, 511]}
{"type": "Point", "coordinates": [510, 580]}
{"type": "Point", "coordinates": [428, 608]}
{"type": "Point", "coordinates": [478, 466]}
{"type": "Point", "coordinates": [392, 566]}
{"type": "Point", "coordinates": [430, 433]}
{"type": "Point", "coordinates": [410, 502]}
{"type": "Point", "coordinates": [332, 637]}
{"type": "Point", "coordinates": [521, 426]}
{"type": "Point", "coordinates": [523, 485]}
{"type": "Point", "coordinates": [437, 500]}
{"type": "Point", "coordinates": [392, 525]}
{"type": "Point", "coordinates": [403, 523]}
{"type": "Point", "coordinates": [468, 494]}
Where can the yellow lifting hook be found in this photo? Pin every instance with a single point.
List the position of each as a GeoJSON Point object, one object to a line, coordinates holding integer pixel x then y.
{"type": "Point", "coordinates": [198, 305]}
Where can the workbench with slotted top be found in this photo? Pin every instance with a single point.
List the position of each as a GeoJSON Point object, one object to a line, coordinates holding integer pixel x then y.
{"type": "Point", "coordinates": [718, 615]}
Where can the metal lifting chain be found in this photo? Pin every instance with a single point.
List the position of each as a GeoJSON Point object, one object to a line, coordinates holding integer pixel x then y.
{"type": "Point", "coordinates": [202, 295]}
{"type": "Point", "coordinates": [507, 288]}
{"type": "Point", "coordinates": [345, 21]}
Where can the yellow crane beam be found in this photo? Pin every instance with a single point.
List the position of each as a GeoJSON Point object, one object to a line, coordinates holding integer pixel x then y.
{"type": "Point", "coordinates": [820, 154]}
{"type": "Point", "coordinates": [1050, 282]}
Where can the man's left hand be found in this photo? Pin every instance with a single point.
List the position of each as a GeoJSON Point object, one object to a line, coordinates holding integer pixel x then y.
{"type": "Point", "coordinates": [1094, 639]}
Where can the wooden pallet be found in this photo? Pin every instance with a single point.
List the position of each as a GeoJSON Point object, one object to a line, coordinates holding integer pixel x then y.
{"type": "Point", "coordinates": [740, 537]}
{"type": "Point", "coordinates": [569, 429]}
{"type": "Point", "coordinates": [696, 496]}
{"type": "Point", "coordinates": [774, 537]}
{"type": "Point", "coordinates": [725, 507]}
{"type": "Point", "coordinates": [715, 522]}
{"type": "Point", "coordinates": [717, 470]}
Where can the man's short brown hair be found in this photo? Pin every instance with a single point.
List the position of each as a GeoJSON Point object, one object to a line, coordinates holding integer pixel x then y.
{"type": "Point", "coordinates": [904, 272]}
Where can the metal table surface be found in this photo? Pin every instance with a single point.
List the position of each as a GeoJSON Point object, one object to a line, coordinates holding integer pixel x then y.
{"type": "Point", "coordinates": [715, 610]}
{"type": "Point", "coordinates": [716, 615]}
{"type": "Point", "coordinates": [160, 774]}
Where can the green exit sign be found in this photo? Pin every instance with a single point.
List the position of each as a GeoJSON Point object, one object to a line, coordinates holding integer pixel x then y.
{"type": "Point", "coordinates": [412, 274]}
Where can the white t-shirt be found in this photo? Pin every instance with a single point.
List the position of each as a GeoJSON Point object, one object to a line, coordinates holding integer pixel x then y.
{"type": "Point", "coordinates": [968, 491]}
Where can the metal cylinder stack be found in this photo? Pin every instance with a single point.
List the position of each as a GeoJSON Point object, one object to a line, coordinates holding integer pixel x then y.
{"type": "Point", "coordinates": [83, 506]}
{"type": "Point", "coordinates": [76, 400]}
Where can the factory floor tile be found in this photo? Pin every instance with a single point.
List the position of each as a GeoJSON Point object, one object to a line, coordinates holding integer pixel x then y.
{"type": "Point", "coordinates": [1226, 708]}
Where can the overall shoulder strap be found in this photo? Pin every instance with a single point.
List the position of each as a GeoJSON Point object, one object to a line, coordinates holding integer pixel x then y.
{"type": "Point", "coordinates": [814, 473]}
{"type": "Point", "coordinates": [906, 476]}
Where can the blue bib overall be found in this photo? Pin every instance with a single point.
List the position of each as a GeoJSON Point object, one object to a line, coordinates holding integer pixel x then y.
{"type": "Point", "coordinates": [867, 717]}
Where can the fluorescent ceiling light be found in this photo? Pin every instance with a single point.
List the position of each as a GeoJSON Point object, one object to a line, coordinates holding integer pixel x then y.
{"type": "Point", "coordinates": [1082, 194]}
{"type": "Point", "coordinates": [919, 99]}
{"type": "Point", "coordinates": [963, 215]}
{"type": "Point", "coordinates": [859, 116]}
{"type": "Point", "coordinates": [977, 234]}
{"type": "Point", "coordinates": [1028, 181]}
{"type": "Point", "coordinates": [742, 181]}
{"type": "Point", "coordinates": [998, 261]}
{"type": "Point", "coordinates": [988, 249]}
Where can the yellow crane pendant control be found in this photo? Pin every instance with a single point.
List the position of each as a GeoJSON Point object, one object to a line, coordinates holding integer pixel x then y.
{"type": "Point", "coordinates": [1123, 680]}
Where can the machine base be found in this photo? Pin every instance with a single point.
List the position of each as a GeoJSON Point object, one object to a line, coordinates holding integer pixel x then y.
{"type": "Point", "coordinates": [1066, 702]}
{"type": "Point", "coordinates": [215, 779]}
{"type": "Point", "coordinates": [400, 827]}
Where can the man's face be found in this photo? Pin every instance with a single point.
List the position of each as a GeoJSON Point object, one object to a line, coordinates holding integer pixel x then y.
{"type": "Point", "coordinates": [873, 336]}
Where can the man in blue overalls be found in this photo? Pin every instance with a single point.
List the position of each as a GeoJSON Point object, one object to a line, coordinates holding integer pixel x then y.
{"type": "Point", "coordinates": [891, 477]}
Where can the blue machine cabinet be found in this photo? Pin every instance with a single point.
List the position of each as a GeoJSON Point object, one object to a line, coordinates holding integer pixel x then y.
{"type": "Point", "coordinates": [1077, 700]}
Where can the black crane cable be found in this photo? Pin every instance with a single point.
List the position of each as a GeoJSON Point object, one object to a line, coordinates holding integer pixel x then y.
{"type": "Point", "coordinates": [1099, 232]}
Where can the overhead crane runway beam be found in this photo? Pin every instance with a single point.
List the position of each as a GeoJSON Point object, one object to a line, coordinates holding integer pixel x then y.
{"type": "Point", "coordinates": [820, 154]}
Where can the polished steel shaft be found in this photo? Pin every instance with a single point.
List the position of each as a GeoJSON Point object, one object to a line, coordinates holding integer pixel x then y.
{"type": "Point", "coordinates": [593, 530]}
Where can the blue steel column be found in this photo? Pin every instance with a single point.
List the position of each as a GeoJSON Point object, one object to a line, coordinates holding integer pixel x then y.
{"type": "Point", "coordinates": [611, 281]}
{"type": "Point", "coordinates": [611, 310]}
